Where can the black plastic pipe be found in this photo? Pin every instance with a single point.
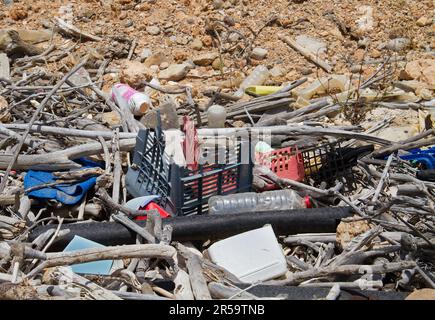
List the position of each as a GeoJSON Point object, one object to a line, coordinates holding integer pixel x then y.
{"type": "Point", "coordinates": [203, 227]}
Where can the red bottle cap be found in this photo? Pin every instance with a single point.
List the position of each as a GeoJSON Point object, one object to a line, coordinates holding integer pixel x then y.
{"type": "Point", "coordinates": [307, 201]}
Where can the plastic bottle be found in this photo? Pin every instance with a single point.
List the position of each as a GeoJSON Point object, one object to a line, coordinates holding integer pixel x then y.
{"type": "Point", "coordinates": [258, 76]}
{"type": "Point", "coordinates": [253, 202]}
{"type": "Point", "coordinates": [126, 97]}
{"type": "Point", "coordinates": [216, 116]}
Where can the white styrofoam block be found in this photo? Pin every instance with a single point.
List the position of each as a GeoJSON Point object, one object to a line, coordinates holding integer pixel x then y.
{"type": "Point", "coordinates": [251, 256]}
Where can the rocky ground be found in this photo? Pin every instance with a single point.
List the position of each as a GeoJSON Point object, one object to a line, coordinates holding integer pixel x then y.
{"type": "Point", "coordinates": [351, 31]}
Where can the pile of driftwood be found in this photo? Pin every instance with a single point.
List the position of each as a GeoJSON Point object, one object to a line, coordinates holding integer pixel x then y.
{"type": "Point", "coordinates": [48, 120]}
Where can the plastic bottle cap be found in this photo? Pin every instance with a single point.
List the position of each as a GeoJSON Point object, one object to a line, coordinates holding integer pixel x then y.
{"type": "Point", "coordinates": [307, 201]}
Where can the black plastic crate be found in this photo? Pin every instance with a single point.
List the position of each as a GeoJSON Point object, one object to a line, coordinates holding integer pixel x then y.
{"type": "Point", "coordinates": [184, 191]}
{"type": "Point", "coordinates": [149, 172]}
{"type": "Point", "coordinates": [191, 189]}
{"type": "Point", "coordinates": [329, 163]}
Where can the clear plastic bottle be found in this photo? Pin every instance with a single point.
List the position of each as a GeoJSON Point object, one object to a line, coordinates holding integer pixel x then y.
{"type": "Point", "coordinates": [254, 202]}
{"type": "Point", "coordinates": [257, 77]}
{"type": "Point", "coordinates": [216, 116]}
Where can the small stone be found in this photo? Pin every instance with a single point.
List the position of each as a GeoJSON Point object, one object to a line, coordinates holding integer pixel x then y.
{"type": "Point", "coordinates": [123, 15]}
{"type": "Point", "coordinates": [207, 41]}
{"type": "Point", "coordinates": [424, 21]}
{"type": "Point", "coordinates": [397, 44]}
{"type": "Point", "coordinates": [128, 23]}
{"type": "Point", "coordinates": [155, 59]}
{"type": "Point", "coordinates": [306, 71]}
{"type": "Point", "coordinates": [276, 72]}
{"type": "Point", "coordinates": [144, 7]}
{"type": "Point", "coordinates": [205, 59]}
{"type": "Point", "coordinates": [180, 55]}
{"type": "Point", "coordinates": [356, 69]}
{"type": "Point", "coordinates": [234, 37]}
{"type": "Point", "coordinates": [182, 40]}
{"type": "Point", "coordinates": [175, 72]}
{"type": "Point", "coordinates": [18, 12]}
{"type": "Point", "coordinates": [422, 69]}
{"type": "Point", "coordinates": [238, 124]}
{"type": "Point", "coordinates": [375, 53]}
{"type": "Point", "coordinates": [85, 13]}
{"type": "Point", "coordinates": [146, 53]}
{"type": "Point", "coordinates": [190, 20]}
{"type": "Point", "coordinates": [133, 72]}
{"type": "Point", "coordinates": [229, 21]}
{"type": "Point", "coordinates": [190, 64]}
{"type": "Point", "coordinates": [363, 43]}
{"type": "Point", "coordinates": [164, 65]}
{"type": "Point", "coordinates": [424, 93]}
{"type": "Point", "coordinates": [153, 30]}
{"type": "Point", "coordinates": [216, 64]}
{"type": "Point", "coordinates": [258, 53]}
{"type": "Point", "coordinates": [217, 4]}
{"type": "Point", "coordinates": [173, 39]}
{"type": "Point", "coordinates": [98, 31]}
{"type": "Point", "coordinates": [196, 44]}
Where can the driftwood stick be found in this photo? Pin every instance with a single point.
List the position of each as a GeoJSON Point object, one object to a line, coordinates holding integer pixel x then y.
{"type": "Point", "coordinates": [25, 206]}
{"type": "Point", "coordinates": [274, 119]}
{"type": "Point", "coordinates": [60, 160]}
{"type": "Point", "coordinates": [419, 136]}
{"type": "Point", "coordinates": [117, 169]}
{"type": "Point", "coordinates": [113, 206]}
{"type": "Point", "coordinates": [399, 177]}
{"type": "Point", "coordinates": [297, 278]}
{"type": "Point", "coordinates": [198, 282]}
{"type": "Point", "coordinates": [383, 178]}
{"type": "Point", "coordinates": [68, 132]}
{"type": "Point", "coordinates": [361, 284]}
{"type": "Point", "coordinates": [106, 154]}
{"type": "Point", "coordinates": [73, 31]}
{"type": "Point", "coordinates": [183, 289]}
{"type": "Point", "coordinates": [263, 106]}
{"type": "Point", "coordinates": [314, 237]}
{"type": "Point", "coordinates": [106, 253]}
{"type": "Point", "coordinates": [124, 220]}
{"type": "Point", "coordinates": [334, 292]}
{"type": "Point", "coordinates": [406, 146]}
{"type": "Point", "coordinates": [5, 70]}
{"type": "Point", "coordinates": [197, 279]}
{"type": "Point", "coordinates": [315, 115]}
{"type": "Point", "coordinates": [306, 53]}
{"type": "Point", "coordinates": [131, 50]}
{"type": "Point", "coordinates": [79, 174]}
{"type": "Point", "coordinates": [298, 263]}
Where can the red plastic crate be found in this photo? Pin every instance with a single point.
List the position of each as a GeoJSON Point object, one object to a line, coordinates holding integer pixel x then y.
{"type": "Point", "coordinates": [286, 163]}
